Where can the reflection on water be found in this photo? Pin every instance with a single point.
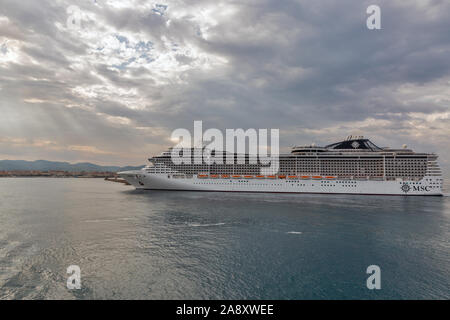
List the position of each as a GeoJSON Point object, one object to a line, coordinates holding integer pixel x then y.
{"type": "Point", "coordinates": [173, 245]}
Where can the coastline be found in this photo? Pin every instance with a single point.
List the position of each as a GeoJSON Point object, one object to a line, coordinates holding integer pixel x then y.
{"type": "Point", "coordinates": [56, 174]}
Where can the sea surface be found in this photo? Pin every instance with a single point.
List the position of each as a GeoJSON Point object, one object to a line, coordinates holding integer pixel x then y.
{"type": "Point", "coordinates": [193, 245]}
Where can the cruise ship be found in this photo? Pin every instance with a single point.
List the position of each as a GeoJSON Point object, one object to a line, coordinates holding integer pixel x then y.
{"type": "Point", "coordinates": [352, 166]}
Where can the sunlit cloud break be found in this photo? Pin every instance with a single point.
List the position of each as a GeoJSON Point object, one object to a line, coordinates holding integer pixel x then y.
{"type": "Point", "coordinates": [108, 81]}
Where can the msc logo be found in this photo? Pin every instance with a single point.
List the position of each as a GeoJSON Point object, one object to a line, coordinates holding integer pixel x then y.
{"type": "Point", "coordinates": [406, 188]}
{"type": "Point", "coordinates": [420, 188]}
{"type": "Point", "coordinates": [355, 145]}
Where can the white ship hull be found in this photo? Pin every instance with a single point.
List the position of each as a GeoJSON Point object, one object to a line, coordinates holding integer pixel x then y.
{"type": "Point", "coordinates": [429, 185]}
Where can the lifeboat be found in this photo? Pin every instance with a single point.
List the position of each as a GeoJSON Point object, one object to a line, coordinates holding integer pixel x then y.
{"type": "Point", "coordinates": [260, 177]}
{"type": "Point", "coordinates": [306, 177]}
{"type": "Point", "coordinates": [330, 177]}
{"type": "Point", "coordinates": [248, 177]}
{"type": "Point", "coordinates": [203, 176]}
{"type": "Point", "coordinates": [214, 176]}
{"type": "Point", "coordinates": [282, 177]}
{"type": "Point", "coordinates": [292, 177]}
{"type": "Point", "coordinates": [271, 177]}
{"type": "Point", "coordinates": [317, 177]}
{"type": "Point", "coordinates": [225, 176]}
{"type": "Point", "coordinates": [236, 177]}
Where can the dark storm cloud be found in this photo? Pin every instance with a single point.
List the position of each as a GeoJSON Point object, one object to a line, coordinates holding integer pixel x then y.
{"type": "Point", "coordinates": [133, 72]}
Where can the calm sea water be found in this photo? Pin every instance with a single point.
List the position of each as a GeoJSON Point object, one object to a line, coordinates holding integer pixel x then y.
{"type": "Point", "coordinates": [192, 245]}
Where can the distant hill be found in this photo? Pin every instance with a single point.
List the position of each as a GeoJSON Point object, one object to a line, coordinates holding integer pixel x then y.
{"type": "Point", "coordinates": [44, 165]}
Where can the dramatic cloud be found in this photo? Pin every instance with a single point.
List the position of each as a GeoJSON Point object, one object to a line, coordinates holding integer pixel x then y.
{"type": "Point", "coordinates": [108, 81]}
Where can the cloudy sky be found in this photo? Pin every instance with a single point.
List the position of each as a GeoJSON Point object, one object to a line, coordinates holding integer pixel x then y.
{"type": "Point", "coordinates": [108, 81]}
